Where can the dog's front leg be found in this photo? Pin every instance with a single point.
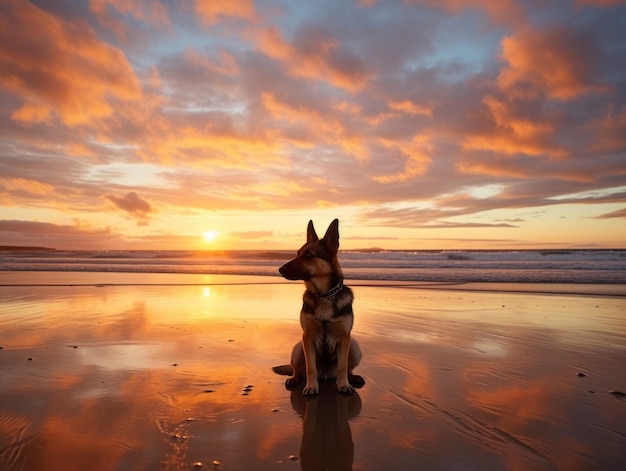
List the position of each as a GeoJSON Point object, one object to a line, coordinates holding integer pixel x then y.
{"type": "Point", "coordinates": [310, 357]}
{"type": "Point", "coordinates": [343, 351]}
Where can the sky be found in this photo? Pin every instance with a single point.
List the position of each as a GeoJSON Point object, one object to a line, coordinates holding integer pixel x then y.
{"type": "Point", "coordinates": [215, 125]}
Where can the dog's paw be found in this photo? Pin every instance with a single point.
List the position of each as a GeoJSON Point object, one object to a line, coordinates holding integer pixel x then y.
{"type": "Point", "coordinates": [345, 389]}
{"type": "Point", "coordinates": [356, 381]}
{"type": "Point", "coordinates": [309, 391]}
{"type": "Point", "coordinates": [291, 383]}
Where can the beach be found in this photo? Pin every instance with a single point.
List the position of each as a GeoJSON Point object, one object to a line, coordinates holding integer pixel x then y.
{"type": "Point", "coordinates": [127, 371]}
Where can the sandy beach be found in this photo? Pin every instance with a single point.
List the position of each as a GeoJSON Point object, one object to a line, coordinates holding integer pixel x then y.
{"type": "Point", "coordinates": [108, 371]}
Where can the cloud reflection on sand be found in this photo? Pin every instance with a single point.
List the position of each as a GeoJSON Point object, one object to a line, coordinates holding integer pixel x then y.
{"type": "Point", "coordinates": [500, 380]}
{"type": "Point", "coordinates": [153, 377]}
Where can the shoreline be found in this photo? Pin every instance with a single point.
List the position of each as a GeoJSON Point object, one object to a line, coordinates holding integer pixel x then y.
{"type": "Point", "coordinates": [26, 278]}
{"type": "Point", "coordinates": [164, 375]}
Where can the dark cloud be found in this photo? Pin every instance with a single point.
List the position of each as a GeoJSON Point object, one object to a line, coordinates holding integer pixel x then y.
{"type": "Point", "coordinates": [133, 204]}
{"type": "Point", "coordinates": [44, 234]}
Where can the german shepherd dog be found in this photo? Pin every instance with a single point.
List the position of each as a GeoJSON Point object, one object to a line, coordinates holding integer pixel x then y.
{"type": "Point", "coordinates": [326, 351]}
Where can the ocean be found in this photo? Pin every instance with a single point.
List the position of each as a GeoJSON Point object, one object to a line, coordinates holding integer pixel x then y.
{"type": "Point", "coordinates": [461, 266]}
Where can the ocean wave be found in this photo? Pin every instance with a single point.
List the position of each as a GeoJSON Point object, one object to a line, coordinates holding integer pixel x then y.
{"type": "Point", "coordinates": [537, 266]}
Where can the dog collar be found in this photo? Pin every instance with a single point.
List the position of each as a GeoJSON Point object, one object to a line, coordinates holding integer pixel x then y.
{"type": "Point", "coordinates": [332, 291]}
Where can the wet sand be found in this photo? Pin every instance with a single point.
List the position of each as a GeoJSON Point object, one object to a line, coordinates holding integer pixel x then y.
{"type": "Point", "coordinates": [133, 372]}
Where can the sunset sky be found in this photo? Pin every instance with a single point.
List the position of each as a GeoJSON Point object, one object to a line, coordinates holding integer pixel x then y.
{"type": "Point", "coordinates": [216, 124]}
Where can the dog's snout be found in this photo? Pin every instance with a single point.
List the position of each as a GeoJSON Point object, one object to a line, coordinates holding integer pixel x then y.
{"type": "Point", "coordinates": [284, 271]}
{"type": "Point", "coordinates": [293, 271]}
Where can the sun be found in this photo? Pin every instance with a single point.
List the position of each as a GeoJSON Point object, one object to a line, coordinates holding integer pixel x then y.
{"type": "Point", "coordinates": [210, 236]}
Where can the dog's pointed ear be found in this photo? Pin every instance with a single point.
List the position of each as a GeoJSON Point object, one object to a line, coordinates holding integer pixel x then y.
{"type": "Point", "coordinates": [331, 238]}
{"type": "Point", "coordinates": [311, 236]}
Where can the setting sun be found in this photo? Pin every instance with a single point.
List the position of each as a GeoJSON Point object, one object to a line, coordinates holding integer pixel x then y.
{"type": "Point", "coordinates": [210, 236]}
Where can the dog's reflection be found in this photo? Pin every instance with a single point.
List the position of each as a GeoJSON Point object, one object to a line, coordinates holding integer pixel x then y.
{"type": "Point", "coordinates": [326, 436]}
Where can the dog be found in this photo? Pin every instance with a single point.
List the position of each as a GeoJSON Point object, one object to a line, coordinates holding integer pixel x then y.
{"type": "Point", "coordinates": [327, 350]}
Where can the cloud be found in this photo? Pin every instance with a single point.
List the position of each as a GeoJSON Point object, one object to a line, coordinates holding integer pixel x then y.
{"type": "Point", "coordinates": [22, 187]}
{"type": "Point", "coordinates": [465, 225]}
{"type": "Point", "coordinates": [44, 228]}
{"type": "Point", "coordinates": [212, 11]}
{"type": "Point", "coordinates": [62, 70]}
{"type": "Point", "coordinates": [602, 3]}
{"type": "Point", "coordinates": [431, 218]}
{"type": "Point", "coordinates": [609, 131]}
{"type": "Point", "coordinates": [416, 152]}
{"type": "Point", "coordinates": [619, 214]}
{"type": "Point", "coordinates": [410, 107]}
{"type": "Point", "coordinates": [133, 204]}
{"type": "Point", "coordinates": [501, 11]}
{"type": "Point", "coordinates": [315, 54]}
{"type": "Point", "coordinates": [558, 61]}
{"type": "Point", "coordinates": [152, 12]}
{"type": "Point", "coordinates": [310, 126]}
{"type": "Point", "coordinates": [80, 235]}
{"type": "Point", "coordinates": [226, 64]}
{"type": "Point", "coordinates": [513, 133]}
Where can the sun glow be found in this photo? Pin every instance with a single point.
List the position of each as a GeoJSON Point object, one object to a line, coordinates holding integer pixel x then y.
{"type": "Point", "coordinates": [210, 236]}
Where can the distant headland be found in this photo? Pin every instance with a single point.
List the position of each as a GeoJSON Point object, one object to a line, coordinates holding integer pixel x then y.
{"type": "Point", "coordinates": [23, 248]}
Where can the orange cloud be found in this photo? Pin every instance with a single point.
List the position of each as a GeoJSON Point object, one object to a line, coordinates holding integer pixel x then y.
{"type": "Point", "coordinates": [66, 70]}
{"type": "Point", "coordinates": [513, 134]}
{"type": "Point", "coordinates": [510, 145]}
{"type": "Point", "coordinates": [417, 157]}
{"type": "Point", "coordinates": [213, 11]}
{"type": "Point", "coordinates": [399, 109]}
{"type": "Point", "coordinates": [555, 61]}
{"type": "Point", "coordinates": [26, 186]}
{"type": "Point", "coordinates": [78, 149]}
{"type": "Point", "coordinates": [410, 107]}
{"type": "Point", "coordinates": [284, 111]}
{"type": "Point", "coordinates": [169, 143]}
{"type": "Point", "coordinates": [315, 56]}
{"type": "Point", "coordinates": [325, 127]}
{"type": "Point", "coordinates": [505, 117]}
{"type": "Point", "coordinates": [494, 167]}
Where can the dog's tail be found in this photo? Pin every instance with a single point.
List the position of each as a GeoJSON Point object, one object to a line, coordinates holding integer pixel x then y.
{"type": "Point", "coordinates": [285, 370]}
